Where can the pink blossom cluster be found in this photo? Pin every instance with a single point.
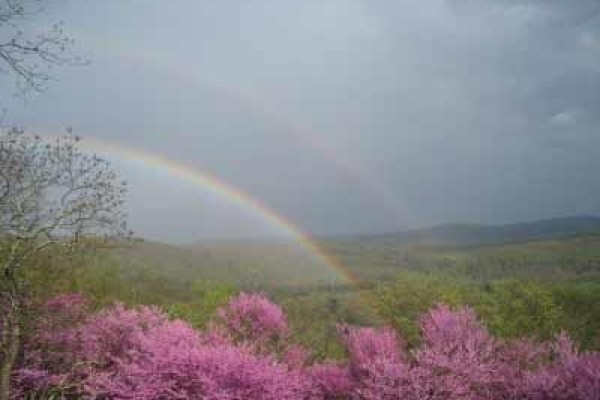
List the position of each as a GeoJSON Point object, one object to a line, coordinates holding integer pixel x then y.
{"type": "Point", "coordinates": [247, 353]}
{"type": "Point", "coordinates": [253, 320]}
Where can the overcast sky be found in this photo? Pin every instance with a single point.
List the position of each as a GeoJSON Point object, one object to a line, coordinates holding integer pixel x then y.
{"type": "Point", "coordinates": [340, 115]}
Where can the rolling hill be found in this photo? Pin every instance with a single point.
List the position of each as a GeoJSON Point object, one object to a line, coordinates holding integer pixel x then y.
{"type": "Point", "coordinates": [563, 244]}
{"type": "Point", "coordinates": [250, 265]}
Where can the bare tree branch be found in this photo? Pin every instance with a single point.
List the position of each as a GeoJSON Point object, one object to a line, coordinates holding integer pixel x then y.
{"type": "Point", "coordinates": [51, 194]}
{"type": "Point", "coordinates": [30, 55]}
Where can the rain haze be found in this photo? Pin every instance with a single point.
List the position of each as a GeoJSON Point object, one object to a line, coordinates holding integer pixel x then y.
{"type": "Point", "coordinates": [338, 116]}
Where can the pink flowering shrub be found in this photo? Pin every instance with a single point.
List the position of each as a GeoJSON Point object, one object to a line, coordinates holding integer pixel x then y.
{"type": "Point", "coordinates": [571, 376]}
{"type": "Point", "coordinates": [331, 381]}
{"type": "Point", "coordinates": [123, 353]}
{"type": "Point", "coordinates": [253, 320]}
{"type": "Point", "coordinates": [376, 361]}
{"type": "Point", "coordinates": [48, 362]}
{"type": "Point", "coordinates": [126, 353]}
{"type": "Point", "coordinates": [170, 362]}
{"type": "Point", "coordinates": [459, 358]}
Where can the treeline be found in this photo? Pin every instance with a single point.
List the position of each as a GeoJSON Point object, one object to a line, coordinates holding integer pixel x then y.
{"type": "Point", "coordinates": [511, 308]}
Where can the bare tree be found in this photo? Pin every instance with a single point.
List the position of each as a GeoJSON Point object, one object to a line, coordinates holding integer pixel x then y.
{"type": "Point", "coordinates": [53, 197]}
{"type": "Point", "coordinates": [28, 52]}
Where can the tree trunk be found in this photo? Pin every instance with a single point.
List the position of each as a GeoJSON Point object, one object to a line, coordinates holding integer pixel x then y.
{"type": "Point", "coordinates": [11, 339]}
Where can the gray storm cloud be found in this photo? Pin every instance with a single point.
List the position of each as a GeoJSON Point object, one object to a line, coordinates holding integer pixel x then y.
{"type": "Point", "coordinates": [342, 115]}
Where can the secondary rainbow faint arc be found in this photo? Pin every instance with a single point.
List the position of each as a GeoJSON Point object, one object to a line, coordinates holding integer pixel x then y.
{"type": "Point", "coordinates": [348, 165]}
{"type": "Point", "coordinates": [215, 185]}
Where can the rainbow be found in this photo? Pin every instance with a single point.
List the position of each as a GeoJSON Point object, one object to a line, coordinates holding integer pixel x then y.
{"type": "Point", "coordinates": [216, 186]}
{"type": "Point", "coordinates": [221, 189]}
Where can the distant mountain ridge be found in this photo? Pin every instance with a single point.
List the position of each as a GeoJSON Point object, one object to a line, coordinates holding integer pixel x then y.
{"type": "Point", "coordinates": [465, 235]}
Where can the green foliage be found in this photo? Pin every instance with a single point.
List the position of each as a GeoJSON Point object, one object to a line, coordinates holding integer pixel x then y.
{"type": "Point", "coordinates": [412, 294]}
{"type": "Point", "coordinates": [510, 308]}
{"type": "Point", "coordinates": [515, 308]}
{"type": "Point", "coordinates": [101, 276]}
{"type": "Point", "coordinates": [315, 314]}
{"type": "Point", "coordinates": [82, 272]}
{"type": "Point", "coordinates": [580, 302]}
{"type": "Point", "coordinates": [206, 296]}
